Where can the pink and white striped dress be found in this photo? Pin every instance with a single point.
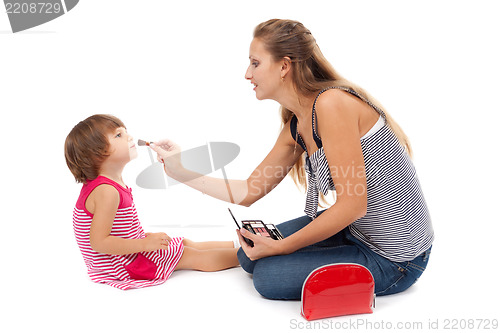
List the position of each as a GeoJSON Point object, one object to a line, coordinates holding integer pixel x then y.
{"type": "Point", "coordinates": [135, 270]}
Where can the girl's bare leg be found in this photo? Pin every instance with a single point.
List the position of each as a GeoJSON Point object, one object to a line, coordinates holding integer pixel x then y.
{"type": "Point", "coordinates": [209, 260]}
{"type": "Point", "coordinates": [208, 245]}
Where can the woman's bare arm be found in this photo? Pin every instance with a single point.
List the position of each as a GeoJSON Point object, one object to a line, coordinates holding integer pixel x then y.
{"type": "Point", "coordinates": [266, 176]}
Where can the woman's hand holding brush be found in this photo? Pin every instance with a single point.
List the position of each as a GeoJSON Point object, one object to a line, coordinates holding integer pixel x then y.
{"type": "Point", "coordinates": [169, 153]}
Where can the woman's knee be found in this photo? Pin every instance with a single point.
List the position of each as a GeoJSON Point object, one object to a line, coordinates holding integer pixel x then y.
{"type": "Point", "coordinates": [275, 282]}
{"type": "Point", "coordinates": [245, 263]}
{"type": "Point", "coordinates": [277, 290]}
{"type": "Point", "coordinates": [265, 287]}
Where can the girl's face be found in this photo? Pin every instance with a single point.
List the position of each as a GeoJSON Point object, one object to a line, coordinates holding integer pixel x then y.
{"type": "Point", "coordinates": [121, 146]}
{"type": "Point", "coordinates": [263, 72]}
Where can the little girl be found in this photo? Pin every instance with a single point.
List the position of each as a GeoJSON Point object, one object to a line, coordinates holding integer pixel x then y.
{"type": "Point", "coordinates": [108, 232]}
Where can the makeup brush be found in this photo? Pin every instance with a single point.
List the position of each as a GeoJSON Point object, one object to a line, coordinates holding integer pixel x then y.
{"type": "Point", "coordinates": [143, 143]}
{"type": "Point", "coordinates": [146, 143]}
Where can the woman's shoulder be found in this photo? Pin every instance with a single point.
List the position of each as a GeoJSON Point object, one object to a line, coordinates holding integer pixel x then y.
{"type": "Point", "coordinates": [337, 103]}
{"type": "Point", "coordinates": [333, 98]}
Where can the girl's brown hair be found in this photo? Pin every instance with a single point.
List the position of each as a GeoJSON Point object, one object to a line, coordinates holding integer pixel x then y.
{"type": "Point", "coordinates": [311, 73]}
{"type": "Point", "coordinates": [86, 146]}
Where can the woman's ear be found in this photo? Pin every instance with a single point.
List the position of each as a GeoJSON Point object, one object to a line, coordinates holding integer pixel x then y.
{"type": "Point", "coordinates": [286, 66]}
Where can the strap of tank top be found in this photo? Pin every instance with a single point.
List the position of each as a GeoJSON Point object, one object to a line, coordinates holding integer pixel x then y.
{"type": "Point", "coordinates": [316, 137]}
{"type": "Point", "coordinates": [105, 180]}
{"type": "Point", "coordinates": [293, 132]}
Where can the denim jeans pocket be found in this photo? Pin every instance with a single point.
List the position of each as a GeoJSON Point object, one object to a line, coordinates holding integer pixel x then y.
{"type": "Point", "coordinates": [407, 274]}
{"type": "Point", "coordinates": [396, 282]}
{"type": "Point", "coordinates": [418, 265]}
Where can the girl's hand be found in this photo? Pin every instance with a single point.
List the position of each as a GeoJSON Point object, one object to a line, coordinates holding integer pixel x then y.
{"type": "Point", "coordinates": [156, 241]}
{"type": "Point", "coordinates": [169, 153]}
{"type": "Point", "coordinates": [262, 246]}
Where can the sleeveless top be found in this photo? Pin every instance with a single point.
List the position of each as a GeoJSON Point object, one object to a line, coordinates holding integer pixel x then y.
{"type": "Point", "coordinates": [134, 270]}
{"type": "Point", "coordinates": [397, 224]}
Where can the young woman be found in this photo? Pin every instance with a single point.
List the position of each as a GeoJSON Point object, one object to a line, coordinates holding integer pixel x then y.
{"type": "Point", "coordinates": [346, 143]}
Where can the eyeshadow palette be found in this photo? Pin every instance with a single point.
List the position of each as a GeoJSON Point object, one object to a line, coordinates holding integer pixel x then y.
{"type": "Point", "coordinates": [259, 228]}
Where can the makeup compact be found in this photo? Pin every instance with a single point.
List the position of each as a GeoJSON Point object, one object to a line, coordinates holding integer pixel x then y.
{"type": "Point", "coordinates": [259, 228]}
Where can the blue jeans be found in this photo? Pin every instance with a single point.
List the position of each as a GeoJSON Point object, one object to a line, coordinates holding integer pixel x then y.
{"type": "Point", "coordinates": [282, 277]}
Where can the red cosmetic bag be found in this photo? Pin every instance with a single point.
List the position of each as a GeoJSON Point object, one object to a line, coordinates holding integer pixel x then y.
{"type": "Point", "coordinates": [337, 290]}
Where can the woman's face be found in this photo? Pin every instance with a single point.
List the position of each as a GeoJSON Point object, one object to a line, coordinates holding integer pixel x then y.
{"type": "Point", "coordinates": [263, 72]}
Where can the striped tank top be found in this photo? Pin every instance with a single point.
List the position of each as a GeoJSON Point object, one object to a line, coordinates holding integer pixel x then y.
{"type": "Point", "coordinates": [397, 224]}
{"type": "Point", "coordinates": [135, 270]}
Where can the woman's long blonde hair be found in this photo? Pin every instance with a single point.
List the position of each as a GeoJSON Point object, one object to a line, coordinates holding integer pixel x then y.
{"type": "Point", "coordinates": [310, 74]}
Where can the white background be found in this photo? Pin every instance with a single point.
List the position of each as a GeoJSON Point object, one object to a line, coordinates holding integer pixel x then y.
{"type": "Point", "coordinates": [177, 70]}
